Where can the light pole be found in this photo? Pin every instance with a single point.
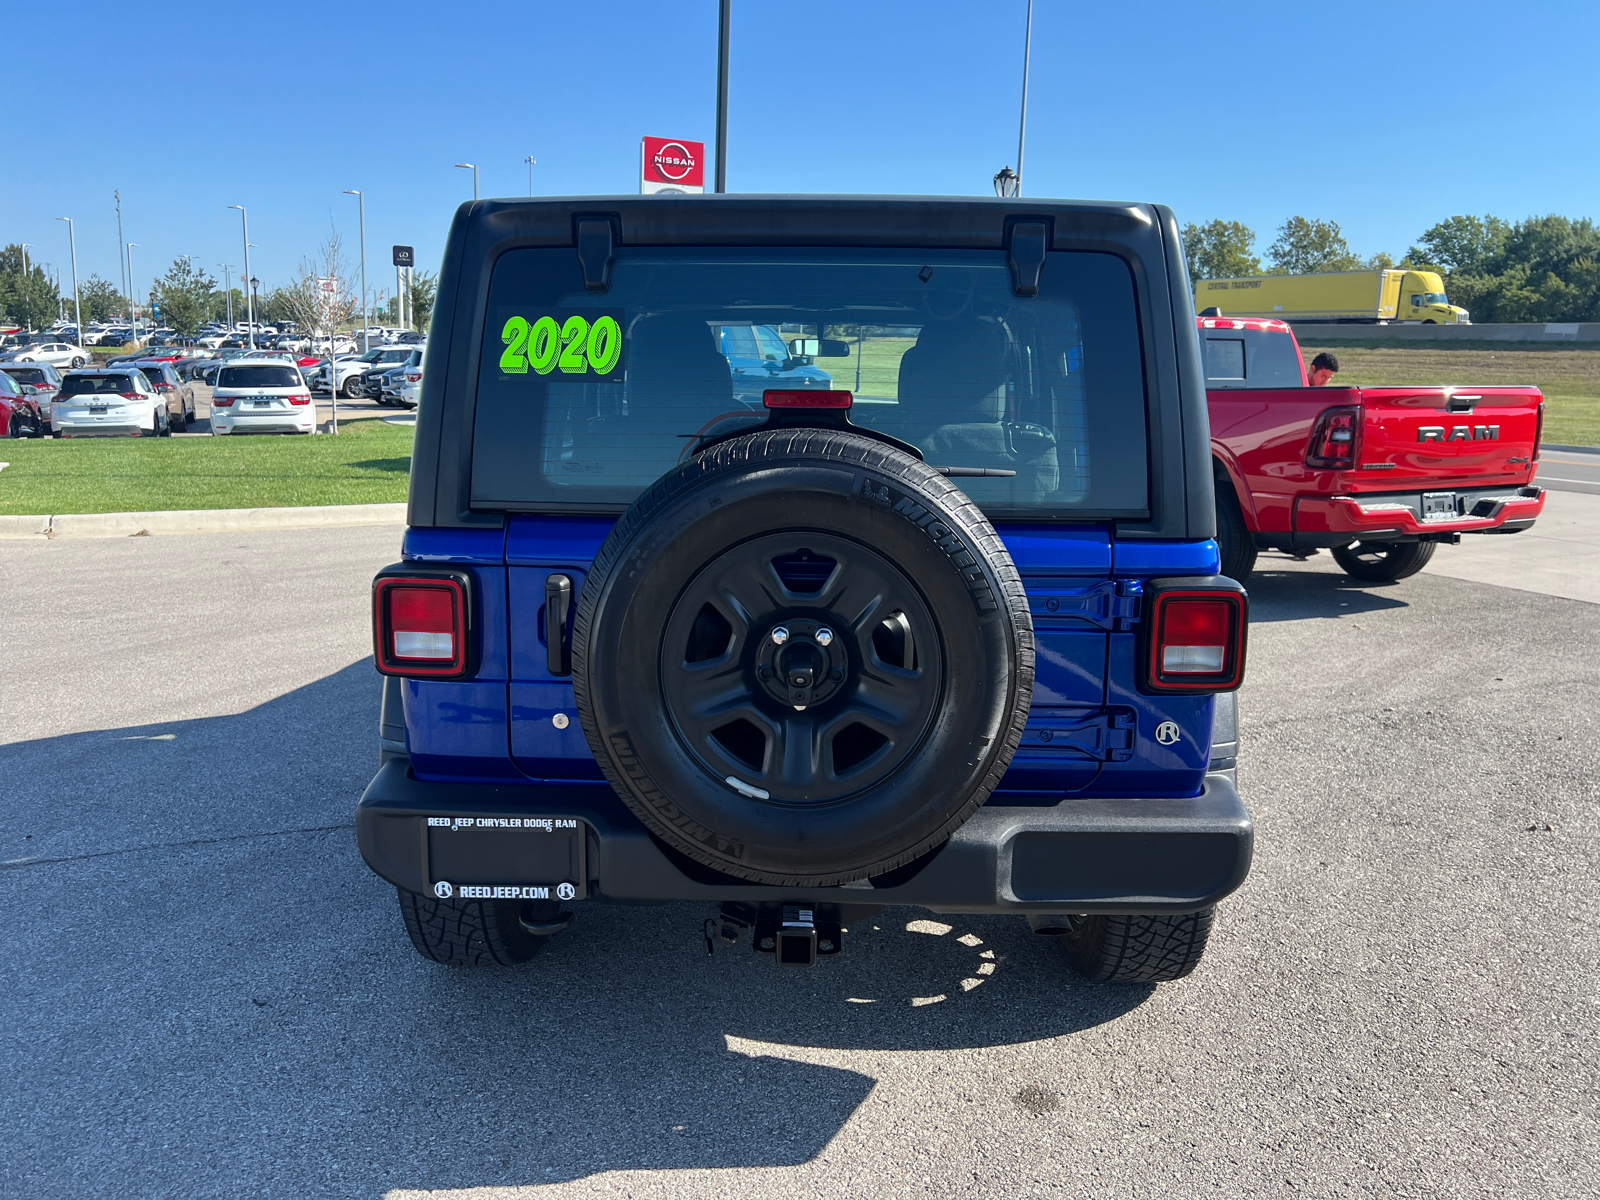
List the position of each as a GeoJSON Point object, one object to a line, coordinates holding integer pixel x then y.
{"type": "Point", "coordinates": [122, 262]}
{"type": "Point", "coordinates": [133, 306]}
{"type": "Point", "coordinates": [25, 280]}
{"type": "Point", "coordinates": [77, 305]}
{"type": "Point", "coordinates": [473, 167]}
{"type": "Point", "coordinates": [250, 309]}
{"type": "Point", "coordinates": [366, 314]}
{"type": "Point", "coordinates": [1022, 123]}
{"type": "Point", "coordinates": [531, 161]}
{"type": "Point", "coordinates": [227, 291]}
{"type": "Point", "coordinates": [722, 95]}
{"type": "Point", "coordinates": [254, 284]}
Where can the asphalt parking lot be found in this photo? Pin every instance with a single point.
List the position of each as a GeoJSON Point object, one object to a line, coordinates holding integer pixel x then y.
{"type": "Point", "coordinates": [207, 993]}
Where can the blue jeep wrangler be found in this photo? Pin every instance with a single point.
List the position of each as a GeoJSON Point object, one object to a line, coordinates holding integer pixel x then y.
{"type": "Point", "coordinates": [935, 622]}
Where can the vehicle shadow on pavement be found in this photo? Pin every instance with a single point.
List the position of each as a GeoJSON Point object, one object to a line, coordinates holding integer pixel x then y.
{"type": "Point", "coordinates": [1280, 592]}
{"type": "Point", "coordinates": [211, 993]}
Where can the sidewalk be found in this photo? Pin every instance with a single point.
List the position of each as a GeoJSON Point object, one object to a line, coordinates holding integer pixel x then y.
{"type": "Point", "coordinates": [216, 520]}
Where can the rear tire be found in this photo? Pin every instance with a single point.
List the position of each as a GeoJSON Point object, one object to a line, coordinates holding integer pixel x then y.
{"type": "Point", "coordinates": [1109, 948]}
{"type": "Point", "coordinates": [1383, 562]}
{"type": "Point", "coordinates": [473, 933]}
{"type": "Point", "coordinates": [1235, 543]}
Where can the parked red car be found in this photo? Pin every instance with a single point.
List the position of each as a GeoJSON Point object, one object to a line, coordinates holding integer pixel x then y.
{"type": "Point", "coordinates": [1379, 475]}
{"type": "Point", "coordinates": [20, 414]}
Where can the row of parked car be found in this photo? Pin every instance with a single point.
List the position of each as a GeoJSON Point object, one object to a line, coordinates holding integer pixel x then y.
{"type": "Point", "coordinates": [152, 394]}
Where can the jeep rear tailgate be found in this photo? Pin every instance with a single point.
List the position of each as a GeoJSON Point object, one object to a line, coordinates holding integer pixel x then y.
{"type": "Point", "coordinates": [1442, 436]}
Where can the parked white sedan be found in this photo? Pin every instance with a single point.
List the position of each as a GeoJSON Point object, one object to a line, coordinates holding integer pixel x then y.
{"type": "Point", "coordinates": [57, 354]}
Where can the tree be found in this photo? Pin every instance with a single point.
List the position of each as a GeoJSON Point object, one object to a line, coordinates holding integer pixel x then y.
{"type": "Point", "coordinates": [100, 299]}
{"type": "Point", "coordinates": [1466, 244]}
{"type": "Point", "coordinates": [421, 291]}
{"type": "Point", "coordinates": [27, 297]}
{"type": "Point", "coordinates": [1220, 250]}
{"type": "Point", "coordinates": [1305, 246]}
{"type": "Point", "coordinates": [311, 305]}
{"type": "Point", "coordinates": [185, 297]}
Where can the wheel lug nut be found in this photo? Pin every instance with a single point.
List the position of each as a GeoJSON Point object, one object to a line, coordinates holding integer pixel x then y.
{"type": "Point", "coordinates": [824, 636]}
{"type": "Point", "coordinates": [780, 635]}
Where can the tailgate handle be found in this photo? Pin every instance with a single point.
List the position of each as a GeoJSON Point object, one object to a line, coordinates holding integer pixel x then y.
{"type": "Point", "coordinates": [1459, 403]}
{"type": "Point", "coordinates": [557, 604]}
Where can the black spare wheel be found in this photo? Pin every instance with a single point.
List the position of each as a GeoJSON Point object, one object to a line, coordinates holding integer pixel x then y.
{"type": "Point", "coordinates": [803, 657]}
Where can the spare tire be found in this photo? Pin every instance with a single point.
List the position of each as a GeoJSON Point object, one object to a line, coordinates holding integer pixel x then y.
{"type": "Point", "coordinates": [803, 658]}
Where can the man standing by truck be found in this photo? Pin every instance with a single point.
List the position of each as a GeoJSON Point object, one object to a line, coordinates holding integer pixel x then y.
{"type": "Point", "coordinates": [1323, 368]}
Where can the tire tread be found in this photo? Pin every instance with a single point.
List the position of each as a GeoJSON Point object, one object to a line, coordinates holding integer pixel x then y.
{"type": "Point", "coordinates": [1139, 948]}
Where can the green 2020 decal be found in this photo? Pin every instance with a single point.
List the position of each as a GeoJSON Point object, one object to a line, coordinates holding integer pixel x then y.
{"type": "Point", "coordinates": [576, 345]}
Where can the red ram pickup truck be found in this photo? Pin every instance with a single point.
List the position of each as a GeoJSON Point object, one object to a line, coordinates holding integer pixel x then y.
{"type": "Point", "coordinates": [1378, 475]}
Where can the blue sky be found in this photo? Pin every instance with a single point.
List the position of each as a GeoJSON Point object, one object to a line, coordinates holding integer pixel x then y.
{"type": "Point", "coordinates": [1385, 120]}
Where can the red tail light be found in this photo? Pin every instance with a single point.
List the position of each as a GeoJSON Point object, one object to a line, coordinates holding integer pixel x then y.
{"type": "Point", "coordinates": [1336, 441]}
{"type": "Point", "coordinates": [420, 622]}
{"type": "Point", "coordinates": [417, 378]}
{"type": "Point", "coordinates": [1538, 432]}
{"type": "Point", "coordinates": [815, 398]}
{"type": "Point", "coordinates": [130, 395]}
{"type": "Point", "coordinates": [1196, 635]}
{"type": "Point", "coordinates": [304, 398]}
{"type": "Point", "coordinates": [222, 402]}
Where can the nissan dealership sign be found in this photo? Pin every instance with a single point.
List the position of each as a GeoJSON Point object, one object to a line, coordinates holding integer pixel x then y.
{"type": "Point", "coordinates": [669, 165]}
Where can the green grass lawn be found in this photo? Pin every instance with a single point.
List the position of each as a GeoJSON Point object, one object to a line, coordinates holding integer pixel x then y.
{"type": "Point", "coordinates": [367, 463]}
{"type": "Point", "coordinates": [1569, 378]}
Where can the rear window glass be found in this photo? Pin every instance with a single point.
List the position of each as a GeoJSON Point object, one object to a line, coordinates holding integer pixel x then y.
{"type": "Point", "coordinates": [253, 376]}
{"type": "Point", "coordinates": [154, 374]}
{"type": "Point", "coordinates": [26, 375]}
{"type": "Point", "coordinates": [74, 385]}
{"type": "Point", "coordinates": [1251, 358]}
{"type": "Point", "coordinates": [935, 345]}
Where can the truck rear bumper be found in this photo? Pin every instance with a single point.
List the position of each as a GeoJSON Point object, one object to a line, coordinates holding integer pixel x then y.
{"type": "Point", "coordinates": [1373, 517]}
{"type": "Point", "coordinates": [1081, 856]}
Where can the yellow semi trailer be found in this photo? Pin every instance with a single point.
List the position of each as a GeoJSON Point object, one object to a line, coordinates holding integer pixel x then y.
{"type": "Point", "coordinates": [1372, 297]}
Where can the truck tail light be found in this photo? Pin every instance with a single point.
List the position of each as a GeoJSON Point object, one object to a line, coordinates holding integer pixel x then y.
{"type": "Point", "coordinates": [1336, 440]}
{"type": "Point", "coordinates": [1538, 432]}
{"type": "Point", "coordinates": [1196, 635]}
{"type": "Point", "coordinates": [420, 622]}
{"type": "Point", "coordinates": [811, 398]}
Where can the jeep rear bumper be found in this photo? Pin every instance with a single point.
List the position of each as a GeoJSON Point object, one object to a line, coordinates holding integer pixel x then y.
{"type": "Point", "coordinates": [1081, 856]}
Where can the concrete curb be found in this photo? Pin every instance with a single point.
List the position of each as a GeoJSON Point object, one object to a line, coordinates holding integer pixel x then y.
{"type": "Point", "coordinates": [1575, 449]}
{"type": "Point", "coordinates": [219, 520]}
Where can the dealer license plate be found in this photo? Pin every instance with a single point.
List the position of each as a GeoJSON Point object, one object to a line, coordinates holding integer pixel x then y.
{"type": "Point", "coordinates": [507, 858]}
{"type": "Point", "coordinates": [97, 410]}
{"type": "Point", "coordinates": [1438, 504]}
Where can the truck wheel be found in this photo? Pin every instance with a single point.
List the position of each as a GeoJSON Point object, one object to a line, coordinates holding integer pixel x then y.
{"type": "Point", "coordinates": [1234, 541]}
{"type": "Point", "coordinates": [1136, 949]}
{"type": "Point", "coordinates": [474, 933]}
{"type": "Point", "coordinates": [1384, 562]}
{"type": "Point", "coordinates": [803, 658]}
